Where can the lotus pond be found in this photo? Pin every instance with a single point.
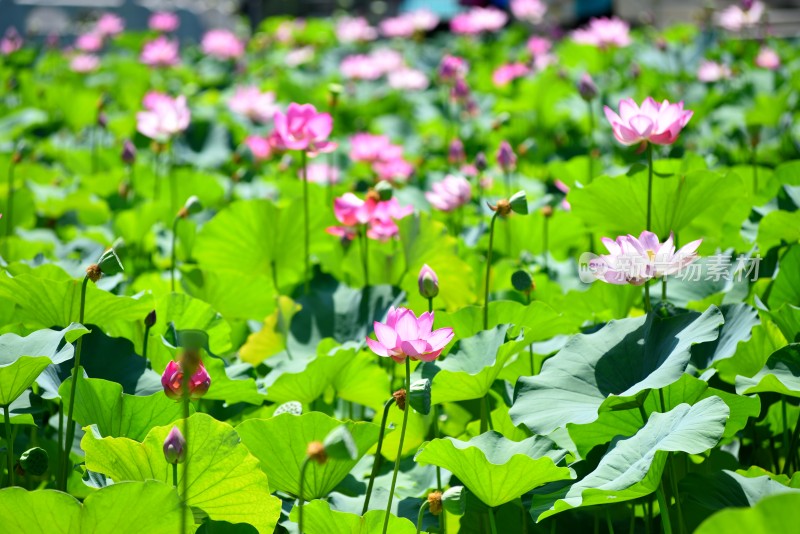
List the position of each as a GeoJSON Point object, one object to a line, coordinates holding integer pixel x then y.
{"type": "Point", "coordinates": [411, 275]}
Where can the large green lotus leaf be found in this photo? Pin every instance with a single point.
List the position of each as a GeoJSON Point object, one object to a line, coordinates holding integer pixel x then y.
{"type": "Point", "coordinates": [280, 444]}
{"type": "Point", "coordinates": [234, 294]}
{"type": "Point", "coordinates": [787, 318]}
{"type": "Point", "coordinates": [740, 319]}
{"type": "Point", "coordinates": [778, 513]}
{"type": "Point", "coordinates": [781, 374]}
{"type": "Point", "coordinates": [149, 506]}
{"type": "Point", "coordinates": [318, 518]}
{"type": "Point", "coordinates": [751, 356]}
{"type": "Point", "coordinates": [494, 468]}
{"type": "Point", "coordinates": [723, 489]}
{"type": "Point", "coordinates": [471, 367]}
{"type": "Point", "coordinates": [633, 467]}
{"type": "Point", "coordinates": [231, 384]}
{"type": "Point", "coordinates": [224, 479]}
{"type": "Point", "coordinates": [18, 376]}
{"type": "Point", "coordinates": [619, 362]}
{"type": "Point", "coordinates": [116, 414]}
{"type": "Point", "coordinates": [361, 379]}
{"type": "Point", "coordinates": [785, 288]}
{"type": "Point", "coordinates": [778, 227]}
{"type": "Point", "coordinates": [613, 206]}
{"type": "Point", "coordinates": [15, 122]}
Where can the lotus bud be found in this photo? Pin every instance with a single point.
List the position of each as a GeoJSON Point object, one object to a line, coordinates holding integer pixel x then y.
{"type": "Point", "coordinates": [150, 320]}
{"type": "Point", "coordinates": [454, 500]}
{"type": "Point", "coordinates": [420, 396]}
{"type": "Point", "coordinates": [519, 203]}
{"type": "Point", "coordinates": [191, 207]}
{"type": "Point", "coordinates": [175, 447]}
{"type": "Point", "coordinates": [128, 155]}
{"type": "Point", "coordinates": [506, 157]}
{"type": "Point", "coordinates": [109, 263]}
{"type": "Point", "coordinates": [480, 162]}
{"type": "Point", "coordinates": [455, 153]}
{"type": "Point", "coordinates": [428, 282]}
{"type": "Point", "coordinates": [587, 88]}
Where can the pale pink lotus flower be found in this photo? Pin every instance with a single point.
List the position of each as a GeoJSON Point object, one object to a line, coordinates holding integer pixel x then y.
{"type": "Point", "coordinates": [539, 46]}
{"type": "Point", "coordinates": [394, 170]}
{"type": "Point", "coordinates": [398, 27]}
{"type": "Point", "coordinates": [222, 44]}
{"type": "Point", "coordinates": [767, 58]}
{"type": "Point", "coordinates": [531, 11]}
{"type": "Point", "coordinates": [452, 68]}
{"type": "Point", "coordinates": [299, 56]}
{"type": "Point", "coordinates": [172, 381]}
{"type": "Point", "coordinates": [404, 335]}
{"type": "Point", "coordinates": [302, 128]}
{"type": "Point", "coordinates": [377, 216]}
{"type": "Point", "coordinates": [84, 63]}
{"type": "Point", "coordinates": [322, 173]}
{"type": "Point", "coordinates": [478, 20]}
{"type": "Point", "coordinates": [711, 71]}
{"type": "Point", "coordinates": [251, 102]}
{"type": "Point", "coordinates": [657, 123]}
{"type": "Point", "coordinates": [505, 74]}
{"type": "Point", "coordinates": [285, 31]}
{"type": "Point", "coordinates": [391, 210]}
{"type": "Point", "coordinates": [351, 210]}
{"type": "Point", "coordinates": [163, 117]}
{"type": "Point", "coordinates": [424, 19]}
{"type": "Point", "coordinates": [89, 42]}
{"type": "Point", "coordinates": [370, 148]}
{"type": "Point", "coordinates": [735, 18]}
{"type": "Point", "coordinates": [408, 80]}
{"type": "Point", "coordinates": [604, 33]}
{"type": "Point", "coordinates": [564, 188]}
{"type": "Point", "coordinates": [450, 193]}
{"type": "Point", "coordinates": [387, 59]}
{"type": "Point", "coordinates": [109, 25]}
{"type": "Point", "coordinates": [634, 260]}
{"type": "Point", "coordinates": [160, 52]}
{"type": "Point", "coordinates": [360, 67]}
{"type": "Point", "coordinates": [355, 29]}
{"type": "Point", "coordinates": [12, 41]}
{"type": "Point", "coordinates": [163, 21]}
{"type": "Point", "coordinates": [259, 147]}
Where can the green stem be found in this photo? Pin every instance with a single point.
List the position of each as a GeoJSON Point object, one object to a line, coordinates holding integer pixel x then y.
{"type": "Point", "coordinates": [9, 214]}
{"type": "Point", "coordinates": [648, 307]}
{"type": "Point", "coordinates": [507, 175]}
{"type": "Point", "coordinates": [376, 465]}
{"type": "Point", "coordinates": [649, 184]}
{"type": "Point", "coordinates": [488, 274]}
{"type": "Point", "coordinates": [785, 437]}
{"type": "Point", "coordinates": [792, 446]}
{"type": "Point", "coordinates": [492, 523]}
{"type": "Point", "coordinates": [185, 390]}
{"type": "Point", "coordinates": [664, 289]}
{"type": "Point", "coordinates": [591, 140]}
{"type": "Point", "coordinates": [609, 523]}
{"type": "Point", "coordinates": [365, 254]}
{"type": "Point", "coordinates": [666, 522]}
{"type": "Point", "coordinates": [144, 344]}
{"type": "Point", "coordinates": [545, 241]}
{"type": "Point", "coordinates": [422, 509]}
{"type": "Point", "coordinates": [174, 253]}
{"type": "Point", "coordinates": [488, 412]}
{"type": "Point", "coordinates": [673, 477]}
{"type": "Point", "coordinates": [399, 449]}
{"type": "Point", "coordinates": [175, 475]}
{"type": "Point", "coordinates": [76, 374]}
{"type": "Point", "coordinates": [300, 496]}
{"type": "Point", "coordinates": [755, 169]}
{"type": "Point", "coordinates": [10, 440]}
{"type": "Point", "coordinates": [306, 237]}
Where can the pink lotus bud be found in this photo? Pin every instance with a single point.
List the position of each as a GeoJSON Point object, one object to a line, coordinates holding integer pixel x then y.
{"type": "Point", "coordinates": [428, 282]}
{"type": "Point", "coordinates": [506, 157]}
{"type": "Point", "coordinates": [480, 162]}
{"type": "Point", "coordinates": [455, 153]}
{"type": "Point", "coordinates": [172, 381]}
{"type": "Point", "coordinates": [175, 447]}
{"type": "Point", "coordinates": [587, 88]}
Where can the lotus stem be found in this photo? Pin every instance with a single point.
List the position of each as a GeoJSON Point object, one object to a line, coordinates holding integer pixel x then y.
{"type": "Point", "coordinates": [590, 112]}
{"type": "Point", "coordinates": [175, 474]}
{"type": "Point", "coordinates": [648, 306]}
{"type": "Point", "coordinates": [10, 440]}
{"type": "Point", "coordinates": [666, 522]}
{"type": "Point", "coordinates": [185, 401]}
{"type": "Point", "coordinates": [174, 253]}
{"type": "Point", "coordinates": [376, 465]}
{"type": "Point", "coordinates": [300, 496]}
{"type": "Point", "coordinates": [422, 509]}
{"type": "Point", "coordinates": [649, 185]}
{"type": "Point", "coordinates": [365, 254]}
{"type": "Point", "coordinates": [792, 447]}
{"type": "Point", "coordinates": [492, 522]}
{"type": "Point", "coordinates": [399, 449]}
{"type": "Point", "coordinates": [488, 273]}
{"type": "Point", "coordinates": [609, 523]}
{"type": "Point", "coordinates": [306, 237]}
{"type": "Point", "coordinates": [9, 214]}
{"type": "Point", "coordinates": [144, 344]}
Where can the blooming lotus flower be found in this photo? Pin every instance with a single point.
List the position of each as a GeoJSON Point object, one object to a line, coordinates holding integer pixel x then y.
{"type": "Point", "coordinates": [656, 123]}
{"type": "Point", "coordinates": [393, 170]}
{"type": "Point", "coordinates": [506, 157]}
{"type": "Point", "coordinates": [299, 56]}
{"type": "Point", "coordinates": [452, 68]}
{"type": "Point", "coordinates": [450, 193]}
{"type": "Point", "coordinates": [539, 46]}
{"type": "Point", "coordinates": [11, 42]}
{"type": "Point", "coordinates": [734, 18]}
{"type": "Point", "coordinates": [175, 447]}
{"type": "Point", "coordinates": [89, 42]}
{"type": "Point", "coordinates": [397, 27]}
{"type": "Point", "coordinates": [160, 52]}
{"type": "Point", "coordinates": [371, 148]}
{"type": "Point", "coordinates": [604, 33]}
{"type": "Point", "coordinates": [404, 335]}
{"type": "Point", "coordinates": [109, 24]}
{"type": "Point", "coordinates": [428, 282]}
{"type": "Point", "coordinates": [391, 210]}
{"type": "Point", "coordinates": [172, 381]}
{"type": "Point", "coordinates": [767, 58]}
{"type": "Point", "coordinates": [531, 11]}
{"type": "Point", "coordinates": [260, 147]}
{"type": "Point", "coordinates": [634, 260]}
{"type": "Point", "coordinates": [378, 216]}
{"type": "Point", "coordinates": [423, 19]}
{"type": "Point", "coordinates": [387, 59]}
{"type": "Point", "coordinates": [505, 74]}
{"type": "Point", "coordinates": [478, 20]}
{"type": "Point", "coordinates": [354, 29]}
{"type": "Point", "coordinates": [84, 63]}
{"type": "Point", "coordinates": [351, 210]}
{"type": "Point", "coordinates": [710, 71]}
{"type": "Point", "coordinates": [164, 116]}
{"type": "Point", "coordinates": [302, 128]}
{"type": "Point", "coordinates": [408, 80]}
{"type": "Point", "coordinates": [222, 44]}
{"type": "Point", "coordinates": [163, 21]}
{"type": "Point", "coordinates": [322, 173]}
{"type": "Point", "coordinates": [252, 103]}
{"type": "Point", "coordinates": [360, 67]}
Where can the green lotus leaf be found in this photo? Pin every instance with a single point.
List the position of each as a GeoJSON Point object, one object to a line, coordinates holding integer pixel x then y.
{"type": "Point", "coordinates": [319, 518]}
{"type": "Point", "coordinates": [778, 513]}
{"type": "Point", "coordinates": [781, 374]}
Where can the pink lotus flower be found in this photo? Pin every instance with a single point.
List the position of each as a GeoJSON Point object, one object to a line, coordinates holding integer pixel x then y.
{"type": "Point", "coordinates": [299, 56]}
{"type": "Point", "coordinates": [634, 260]}
{"type": "Point", "coordinates": [378, 216]}
{"type": "Point", "coordinates": [403, 335]}
{"type": "Point", "coordinates": [89, 42]}
{"type": "Point", "coordinates": [371, 148]}
{"type": "Point", "coordinates": [260, 147]}
{"type": "Point", "coordinates": [160, 52]}
{"type": "Point", "coordinates": [453, 68]}
{"type": "Point", "coordinates": [222, 44]}
{"type": "Point", "coordinates": [163, 21]}
{"type": "Point", "coordinates": [163, 117]}
{"type": "Point", "coordinates": [408, 80]}
{"type": "Point", "coordinates": [478, 20]}
{"type": "Point", "coordinates": [109, 24]}
{"type": "Point", "coordinates": [428, 282]}
{"type": "Point", "coordinates": [564, 188]}
{"type": "Point", "coordinates": [711, 71]}
{"type": "Point", "coordinates": [767, 58]}
{"type": "Point", "coordinates": [388, 59]}
{"type": "Point", "coordinates": [734, 18]}
{"type": "Point", "coordinates": [322, 173]}
{"type": "Point", "coordinates": [393, 170]}
{"type": "Point", "coordinates": [397, 27]}
{"type": "Point", "coordinates": [12, 41]}
{"type": "Point", "coordinates": [172, 381]}
{"type": "Point", "coordinates": [539, 46]}
{"type": "Point", "coordinates": [604, 33]}
{"type": "Point", "coordinates": [250, 102]}
{"type": "Point", "coordinates": [450, 193]}
{"type": "Point", "coordinates": [351, 210]}
{"type": "Point", "coordinates": [354, 29]}
{"type": "Point", "coordinates": [531, 11]}
{"type": "Point", "coordinates": [424, 19]}
{"type": "Point", "coordinates": [175, 447]}
{"type": "Point", "coordinates": [656, 123]}
{"type": "Point", "coordinates": [84, 63]}
{"type": "Point", "coordinates": [360, 67]}
{"type": "Point", "coordinates": [505, 74]}
{"type": "Point", "coordinates": [302, 128]}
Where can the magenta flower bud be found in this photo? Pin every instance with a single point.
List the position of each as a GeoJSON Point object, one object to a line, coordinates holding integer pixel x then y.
{"type": "Point", "coordinates": [128, 152]}
{"type": "Point", "coordinates": [747, 5]}
{"type": "Point", "coordinates": [172, 381]}
{"type": "Point", "coordinates": [506, 157]}
{"type": "Point", "coordinates": [455, 153]}
{"type": "Point", "coordinates": [480, 162]}
{"type": "Point", "coordinates": [175, 447]}
{"type": "Point", "coordinates": [586, 87]}
{"type": "Point", "coordinates": [150, 320]}
{"type": "Point", "coordinates": [428, 282]}
{"type": "Point", "coordinates": [460, 90]}
{"type": "Point", "coordinates": [102, 120]}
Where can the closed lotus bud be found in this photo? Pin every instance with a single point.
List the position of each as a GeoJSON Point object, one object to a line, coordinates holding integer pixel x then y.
{"type": "Point", "coordinates": [428, 282]}
{"type": "Point", "coordinates": [460, 90]}
{"type": "Point", "coordinates": [128, 152]}
{"type": "Point", "coordinates": [506, 157]}
{"type": "Point", "coordinates": [480, 162]}
{"type": "Point", "coordinates": [455, 153]}
{"type": "Point", "coordinates": [34, 461]}
{"type": "Point", "coordinates": [175, 447]}
{"type": "Point", "coordinates": [172, 381]}
{"type": "Point", "coordinates": [102, 120]}
{"type": "Point", "coordinates": [454, 500]}
{"type": "Point", "coordinates": [334, 90]}
{"type": "Point", "coordinates": [587, 88]}
{"type": "Point", "coordinates": [150, 320]}
{"type": "Point", "coordinates": [747, 5]}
